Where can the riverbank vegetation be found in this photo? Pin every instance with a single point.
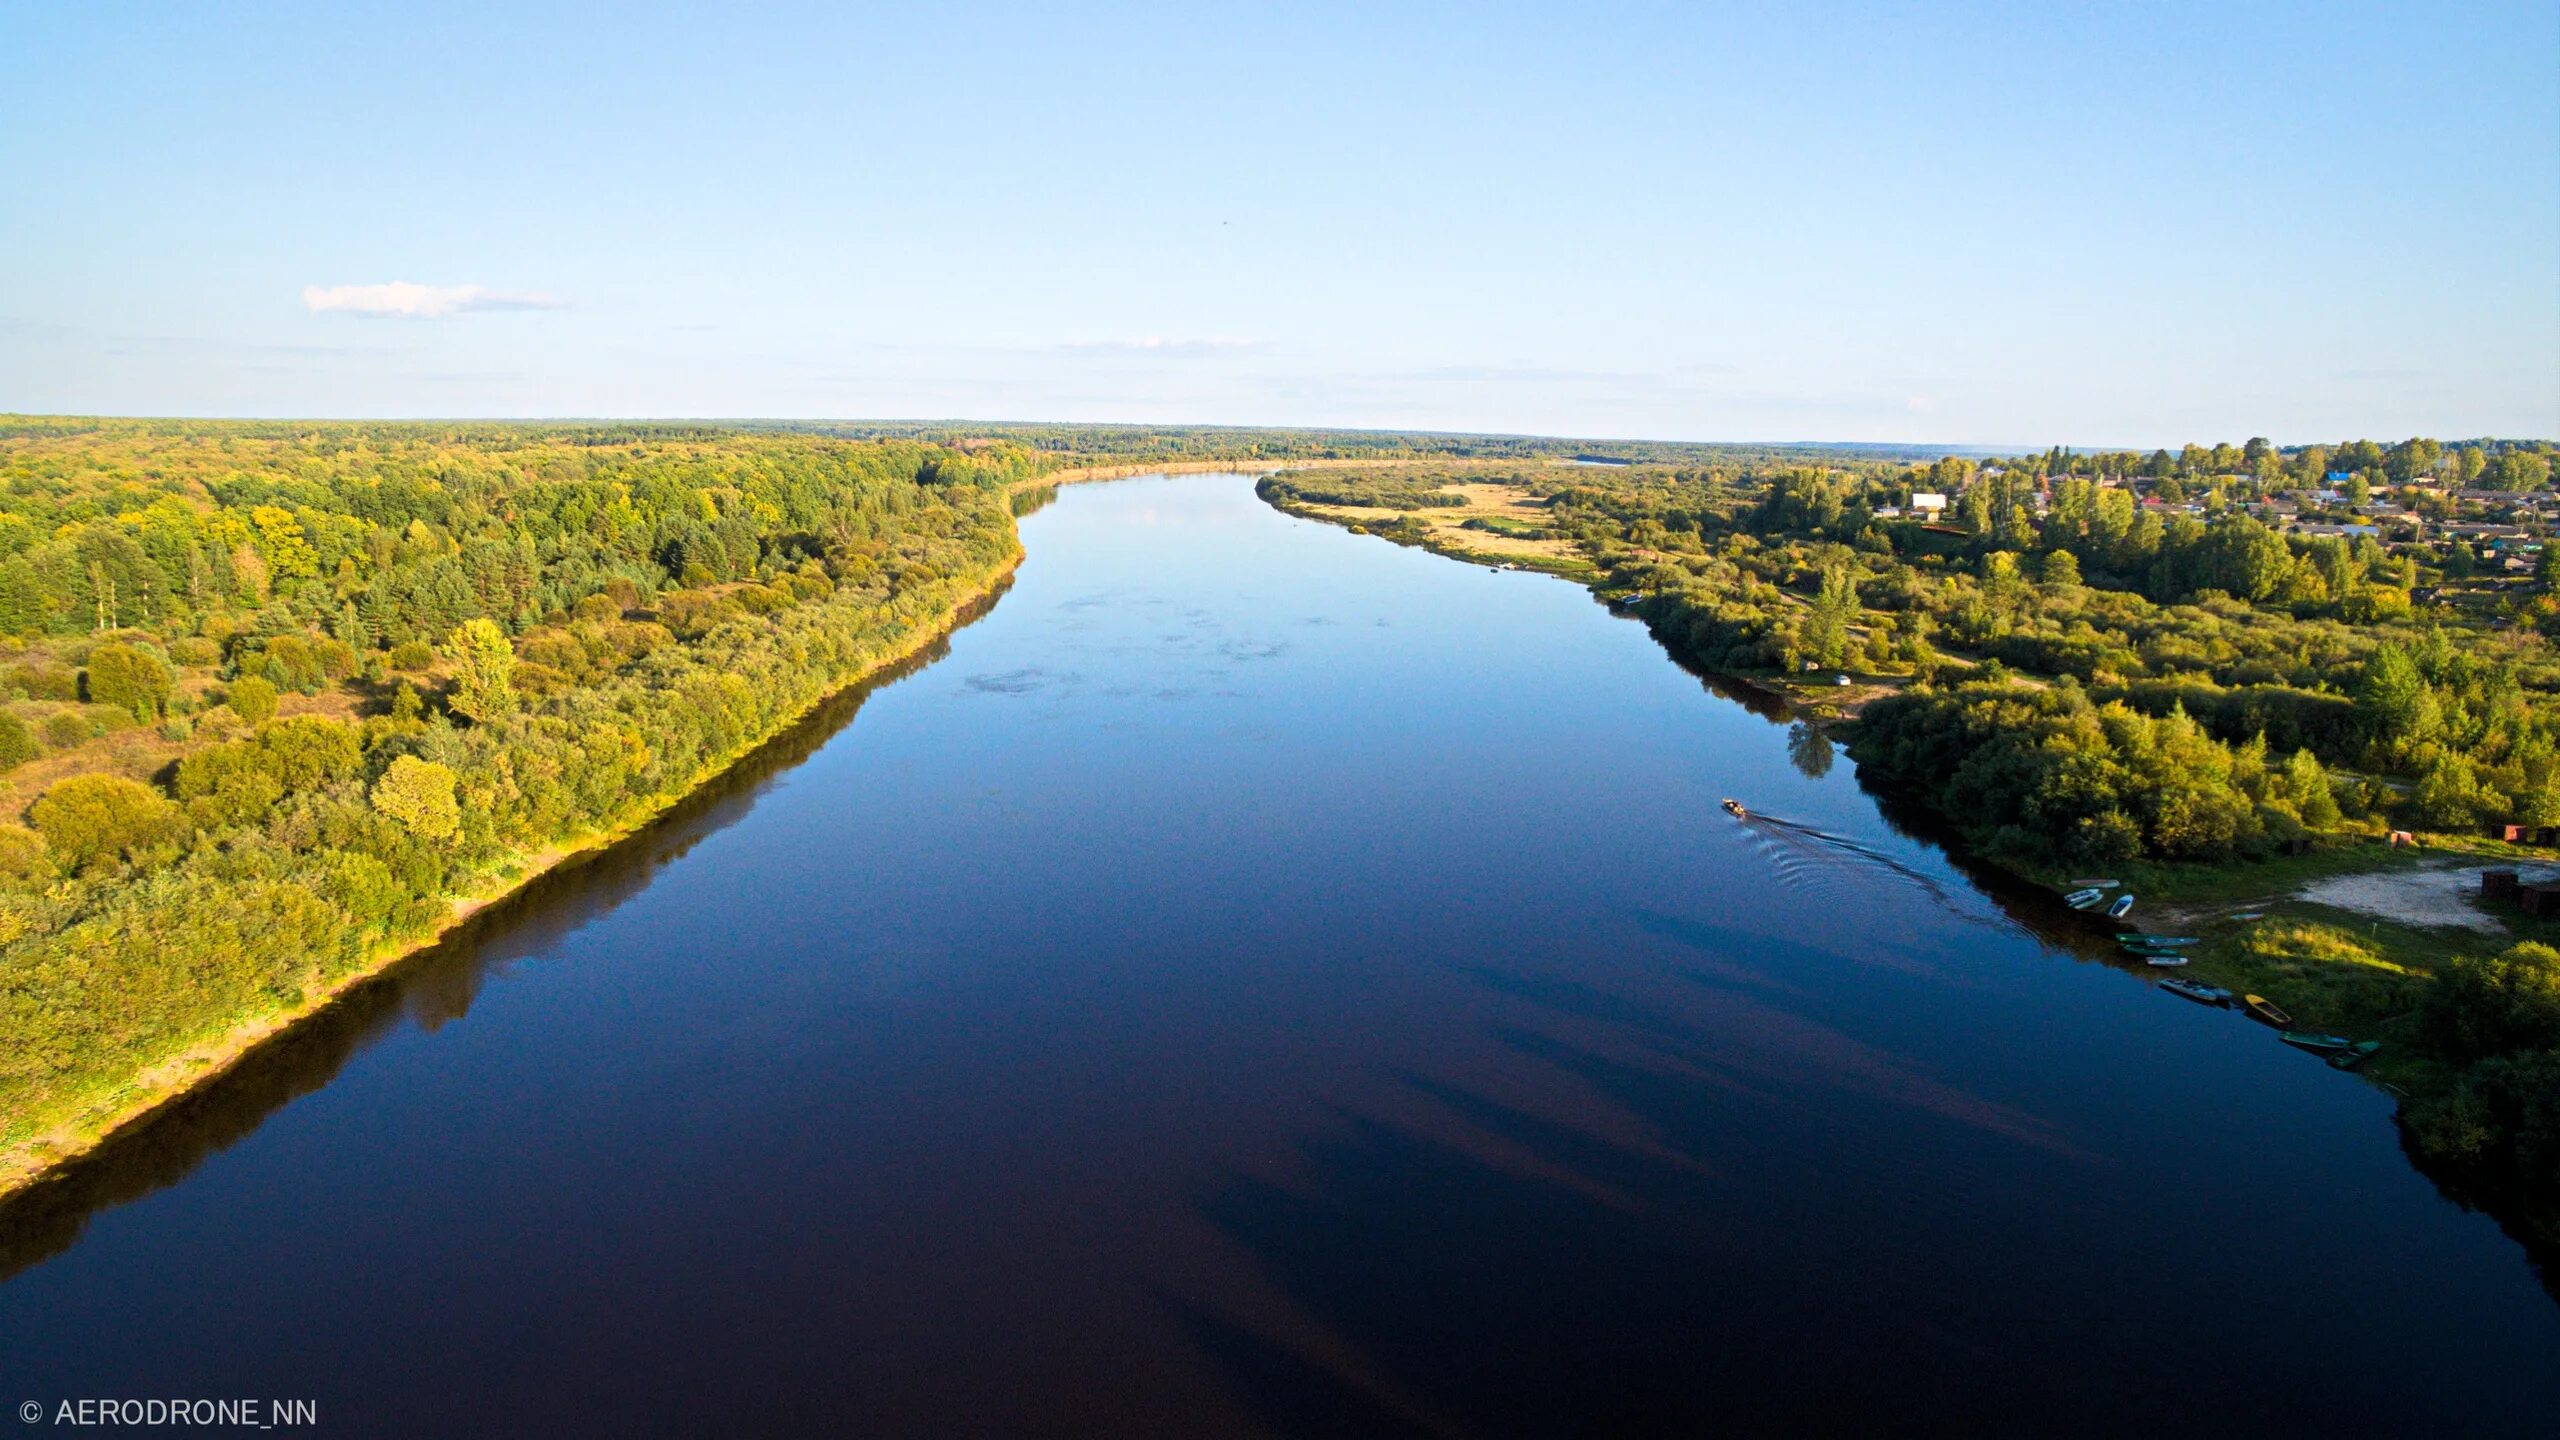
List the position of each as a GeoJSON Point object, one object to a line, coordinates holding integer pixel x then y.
{"type": "Point", "coordinates": [1484, 514]}
{"type": "Point", "coordinates": [2223, 660]}
{"type": "Point", "coordinates": [276, 699]}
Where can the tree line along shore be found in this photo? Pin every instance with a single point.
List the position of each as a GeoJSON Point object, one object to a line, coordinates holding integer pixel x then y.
{"type": "Point", "coordinates": [2224, 672]}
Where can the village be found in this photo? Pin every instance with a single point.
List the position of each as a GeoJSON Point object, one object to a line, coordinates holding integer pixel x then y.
{"type": "Point", "coordinates": [2475, 542]}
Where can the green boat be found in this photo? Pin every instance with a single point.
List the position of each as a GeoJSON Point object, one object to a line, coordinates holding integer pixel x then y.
{"type": "Point", "coordinates": [2131, 937]}
{"type": "Point", "coordinates": [2355, 1055]}
{"type": "Point", "coordinates": [2317, 1044]}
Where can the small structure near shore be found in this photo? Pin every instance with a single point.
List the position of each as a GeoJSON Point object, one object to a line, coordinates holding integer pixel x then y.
{"type": "Point", "coordinates": [2537, 895]}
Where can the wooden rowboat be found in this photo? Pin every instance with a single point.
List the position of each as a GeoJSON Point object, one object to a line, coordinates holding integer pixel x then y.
{"type": "Point", "coordinates": [2267, 1010]}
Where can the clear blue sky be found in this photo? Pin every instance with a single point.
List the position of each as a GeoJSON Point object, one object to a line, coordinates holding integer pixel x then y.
{"type": "Point", "coordinates": [2117, 224]}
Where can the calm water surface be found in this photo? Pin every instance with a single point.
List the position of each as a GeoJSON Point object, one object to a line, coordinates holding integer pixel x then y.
{"type": "Point", "coordinates": [1263, 980]}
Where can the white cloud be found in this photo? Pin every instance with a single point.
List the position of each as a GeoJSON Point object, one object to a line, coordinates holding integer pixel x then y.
{"type": "Point", "coordinates": [1164, 345]}
{"type": "Point", "coordinates": [422, 302]}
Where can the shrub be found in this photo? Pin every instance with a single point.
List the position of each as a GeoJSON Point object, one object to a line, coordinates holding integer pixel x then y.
{"type": "Point", "coordinates": [2511, 1001]}
{"type": "Point", "coordinates": [17, 742]}
{"type": "Point", "coordinates": [304, 751]}
{"type": "Point", "coordinates": [91, 820]}
{"type": "Point", "coordinates": [42, 680]}
{"type": "Point", "coordinates": [131, 680]}
{"type": "Point", "coordinates": [65, 728]}
{"type": "Point", "coordinates": [225, 785]}
{"type": "Point", "coordinates": [252, 698]}
{"type": "Point", "coordinates": [21, 852]}
{"type": "Point", "coordinates": [411, 656]}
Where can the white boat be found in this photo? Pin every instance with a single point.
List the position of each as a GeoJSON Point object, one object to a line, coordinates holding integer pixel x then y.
{"type": "Point", "coordinates": [2167, 960]}
{"type": "Point", "coordinates": [2083, 899]}
{"type": "Point", "coordinates": [2118, 909]}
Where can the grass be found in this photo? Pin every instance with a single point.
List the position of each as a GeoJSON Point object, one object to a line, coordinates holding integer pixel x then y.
{"type": "Point", "coordinates": [2337, 971]}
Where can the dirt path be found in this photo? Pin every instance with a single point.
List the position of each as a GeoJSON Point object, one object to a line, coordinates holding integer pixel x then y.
{"type": "Point", "coordinates": [2438, 897]}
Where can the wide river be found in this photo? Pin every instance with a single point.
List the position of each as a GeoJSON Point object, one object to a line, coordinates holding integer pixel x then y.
{"type": "Point", "coordinates": [1261, 980]}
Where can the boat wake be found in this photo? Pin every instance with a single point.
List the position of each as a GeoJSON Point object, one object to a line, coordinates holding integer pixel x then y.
{"type": "Point", "coordinates": [1835, 869]}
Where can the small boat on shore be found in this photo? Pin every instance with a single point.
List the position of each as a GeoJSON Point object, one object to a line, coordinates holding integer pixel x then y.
{"type": "Point", "coordinates": [2355, 1055]}
{"type": "Point", "coordinates": [2317, 1044]}
{"type": "Point", "coordinates": [2099, 884]}
{"type": "Point", "coordinates": [2156, 942]}
{"type": "Point", "coordinates": [2267, 1010]}
{"type": "Point", "coordinates": [2083, 899]}
{"type": "Point", "coordinates": [2123, 904]}
{"type": "Point", "coordinates": [1734, 808]}
{"type": "Point", "coordinates": [2249, 915]}
{"type": "Point", "coordinates": [2164, 959]}
{"type": "Point", "coordinates": [2202, 994]}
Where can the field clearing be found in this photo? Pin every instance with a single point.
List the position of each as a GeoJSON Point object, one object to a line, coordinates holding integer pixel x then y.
{"type": "Point", "coordinates": [2437, 897]}
{"type": "Point", "coordinates": [1485, 501]}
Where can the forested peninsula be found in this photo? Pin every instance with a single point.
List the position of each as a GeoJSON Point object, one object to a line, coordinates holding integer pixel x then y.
{"type": "Point", "coordinates": [2222, 672]}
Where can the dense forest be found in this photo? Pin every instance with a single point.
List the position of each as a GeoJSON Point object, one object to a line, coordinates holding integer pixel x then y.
{"type": "Point", "coordinates": [277, 696]}
{"type": "Point", "coordinates": [2222, 655]}
{"type": "Point", "coordinates": [1247, 444]}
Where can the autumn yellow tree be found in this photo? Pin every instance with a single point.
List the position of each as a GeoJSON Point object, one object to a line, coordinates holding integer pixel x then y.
{"type": "Point", "coordinates": [419, 794]}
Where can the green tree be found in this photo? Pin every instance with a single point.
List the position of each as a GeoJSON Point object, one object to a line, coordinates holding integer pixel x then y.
{"type": "Point", "coordinates": [2393, 698]}
{"type": "Point", "coordinates": [419, 794]}
{"type": "Point", "coordinates": [484, 671]}
{"type": "Point", "coordinates": [2520, 470]}
{"type": "Point", "coordinates": [131, 680]}
{"type": "Point", "coordinates": [1826, 628]}
{"type": "Point", "coordinates": [91, 820]}
{"type": "Point", "coordinates": [252, 698]}
{"type": "Point", "coordinates": [2413, 459]}
{"type": "Point", "coordinates": [2311, 794]}
{"type": "Point", "coordinates": [2511, 1001]}
{"type": "Point", "coordinates": [2061, 569]}
{"type": "Point", "coordinates": [2450, 796]}
{"type": "Point", "coordinates": [17, 742]}
{"type": "Point", "coordinates": [304, 752]}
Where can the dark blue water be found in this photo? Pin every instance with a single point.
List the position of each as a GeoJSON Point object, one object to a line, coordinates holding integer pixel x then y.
{"type": "Point", "coordinates": [1264, 980]}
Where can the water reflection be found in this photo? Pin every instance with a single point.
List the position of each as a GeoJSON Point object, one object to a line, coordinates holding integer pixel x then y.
{"type": "Point", "coordinates": [428, 989]}
{"type": "Point", "coordinates": [1809, 750]}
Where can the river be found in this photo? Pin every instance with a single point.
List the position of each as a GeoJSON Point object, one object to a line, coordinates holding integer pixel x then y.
{"type": "Point", "coordinates": [1257, 979]}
